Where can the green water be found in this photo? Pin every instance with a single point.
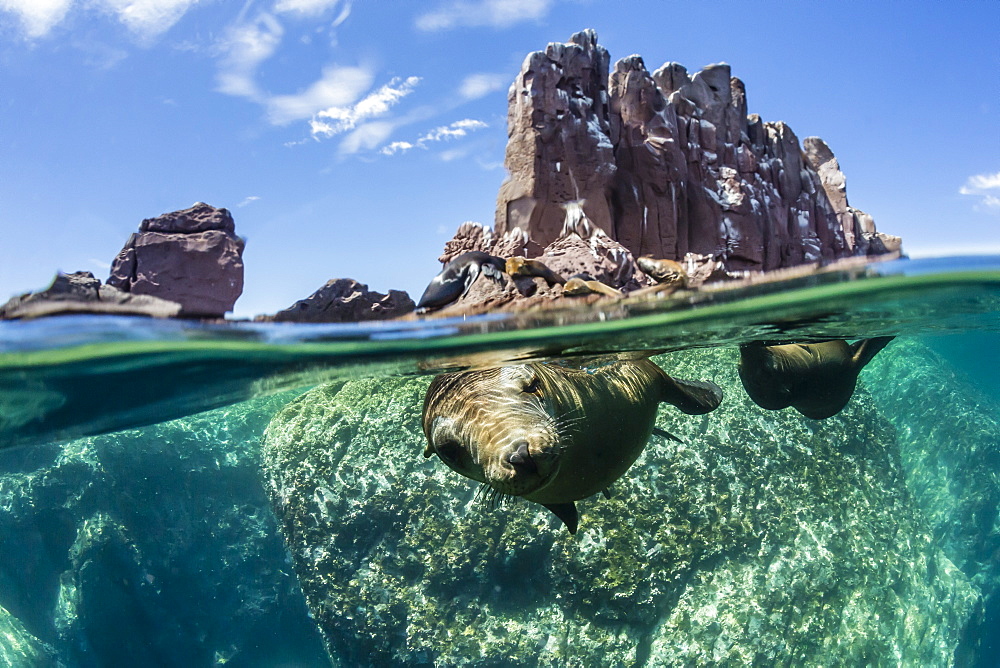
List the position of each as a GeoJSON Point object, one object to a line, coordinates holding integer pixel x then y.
{"type": "Point", "coordinates": [141, 530]}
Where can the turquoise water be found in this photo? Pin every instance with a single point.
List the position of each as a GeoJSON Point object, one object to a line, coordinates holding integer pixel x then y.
{"type": "Point", "coordinates": [148, 520]}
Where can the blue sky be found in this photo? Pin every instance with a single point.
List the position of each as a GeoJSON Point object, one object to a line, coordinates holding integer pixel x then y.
{"type": "Point", "coordinates": [350, 139]}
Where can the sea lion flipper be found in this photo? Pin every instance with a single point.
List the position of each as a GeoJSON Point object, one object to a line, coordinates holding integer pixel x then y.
{"type": "Point", "coordinates": [666, 434]}
{"type": "Point", "coordinates": [567, 513]}
{"type": "Point", "coordinates": [694, 397]}
{"type": "Point", "coordinates": [866, 349]}
{"type": "Point", "coordinates": [606, 492]}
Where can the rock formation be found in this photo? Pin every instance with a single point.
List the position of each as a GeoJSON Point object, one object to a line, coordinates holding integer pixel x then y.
{"type": "Point", "coordinates": [346, 300]}
{"type": "Point", "coordinates": [80, 292]}
{"type": "Point", "coordinates": [667, 164]}
{"type": "Point", "coordinates": [192, 257]}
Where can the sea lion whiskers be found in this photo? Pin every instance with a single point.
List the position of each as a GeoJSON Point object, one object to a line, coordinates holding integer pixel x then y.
{"type": "Point", "coordinates": [491, 497]}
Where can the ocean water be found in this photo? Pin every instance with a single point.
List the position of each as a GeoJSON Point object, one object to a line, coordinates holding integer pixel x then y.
{"type": "Point", "coordinates": [248, 494]}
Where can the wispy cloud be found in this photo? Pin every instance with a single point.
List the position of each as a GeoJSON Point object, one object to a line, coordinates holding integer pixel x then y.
{"type": "Point", "coordinates": [314, 8]}
{"type": "Point", "coordinates": [491, 13]}
{"type": "Point", "coordinates": [148, 19]}
{"type": "Point", "coordinates": [37, 17]}
{"type": "Point", "coordinates": [478, 85]}
{"type": "Point", "coordinates": [336, 120]}
{"type": "Point", "coordinates": [249, 200]}
{"type": "Point", "coordinates": [987, 188]}
{"type": "Point", "coordinates": [443, 133]}
{"type": "Point", "coordinates": [145, 19]}
{"type": "Point", "coordinates": [337, 87]}
{"type": "Point", "coordinates": [244, 47]}
{"type": "Point", "coordinates": [366, 137]}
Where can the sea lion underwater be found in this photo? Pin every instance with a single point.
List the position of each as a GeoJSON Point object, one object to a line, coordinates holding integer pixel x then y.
{"type": "Point", "coordinates": [549, 433]}
{"type": "Point", "coordinates": [816, 379]}
{"type": "Point", "coordinates": [458, 276]}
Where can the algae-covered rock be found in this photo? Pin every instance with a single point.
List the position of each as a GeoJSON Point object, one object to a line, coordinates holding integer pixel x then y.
{"type": "Point", "coordinates": [153, 547]}
{"type": "Point", "coordinates": [949, 439]}
{"type": "Point", "coordinates": [763, 538]}
{"type": "Point", "coordinates": [20, 649]}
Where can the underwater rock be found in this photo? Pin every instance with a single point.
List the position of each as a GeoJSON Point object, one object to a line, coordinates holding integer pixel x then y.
{"type": "Point", "coordinates": [763, 538]}
{"type": "Point", "coordinates": [153, 547]}
{"type": "Point", "coordinates": [345, 300]}
{"type": "Point", "coordinates": [18, 647]}
{"type": "Point", "coordinates": [80, 292]}
{"type": "Point", "coordinates": [668, 163]}
{"type": "Point", "coordinates": [949, 439]}
{"type": "Point", "coordinates": [192, 257]}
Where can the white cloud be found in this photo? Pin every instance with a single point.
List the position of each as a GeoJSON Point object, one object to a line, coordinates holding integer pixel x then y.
{"type": "Point", "coordinates": [986, 187]}
{"type": "Point", "coordinates": [443, 133]}
{"type": "Point", "coordinates": [492, 13]}
{"type": "Point", "coordinates": [148, 18]}
{"type": "Point", "coordinates": [249, 200]}
{"type": "Point", "coordinates": [314, 8]}
{"type": "Point", "coordinates": [244, 48]}
{"type": "Point", "coordinates": [366, 136]}
{"type": "Point", "coordinates": [396, 147]}
{"type": "Point", "coordinates": [335, 120]}
{"type": "Point", "coordinates": [337, 86]}
{"type": "Point", "coordinates": [475, 86]}
{"type": "Point", "coordinates": [38, 17]}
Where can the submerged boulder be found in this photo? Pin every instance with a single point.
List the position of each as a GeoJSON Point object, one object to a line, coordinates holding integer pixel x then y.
{"type": "Point", "coordinates": [149, 547]}
{"type": "Point", "coordinates": [764, 538]}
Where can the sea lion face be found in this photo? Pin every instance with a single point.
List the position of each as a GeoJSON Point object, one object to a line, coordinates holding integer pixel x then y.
{"type": "Point", "coordinates": [495, 426]}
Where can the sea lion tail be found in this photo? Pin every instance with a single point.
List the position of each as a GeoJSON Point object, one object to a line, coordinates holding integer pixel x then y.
{"type": "Point", "coordinates": [866, 349]}
{"type": "Point", "coordinates": [694, 397]}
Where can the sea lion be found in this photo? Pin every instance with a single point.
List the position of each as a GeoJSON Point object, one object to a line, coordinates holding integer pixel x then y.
{"type": "Point", "coordinates": [458, 276]}
{"type": "Point", "coordinates": [550, 433]}
{"type": "Point", "coordinates": [522, 266]}
{"type": "Point", "coordinates": [667, 272]}
{"type": "Point", "coordinates": [816, 379]}
{"type": "Point", "coordinates": [577, 286]}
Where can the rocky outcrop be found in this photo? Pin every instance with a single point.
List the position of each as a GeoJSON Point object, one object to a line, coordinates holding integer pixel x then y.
{"type": "Point", "coordinates": [668, 163]}
{"type": "Point", "coordinates": [859, 228]}
{"type": "Point", "coordinates": [80, 292]}
{"type": "Point", "coordinates": [192, 257]}
{"type": "Point", "coordinates": [764, 538]}
{"type": "Point", "coordinates": [346, 300]}
{"type": "Point", "coordinates": [559, 149]}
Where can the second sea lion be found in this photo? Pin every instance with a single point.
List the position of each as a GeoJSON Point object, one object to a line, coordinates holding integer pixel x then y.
{"type": "Point", "coordinates": [457, 277]}
{"type": "Point", "coordinates": [577, 286]}
{"type": "Point", "coordinates": [522, 266]}
{"type": "Point", "coordinates": [816, 379]}
{"type": "Point", "coordinates": [550, 433]}
{"type": "Point", "coordinates": [667, 272]}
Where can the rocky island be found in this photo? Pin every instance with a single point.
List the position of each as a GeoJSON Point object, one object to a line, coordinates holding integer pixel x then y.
{"type": "Point", "coordinates": [607, 164]}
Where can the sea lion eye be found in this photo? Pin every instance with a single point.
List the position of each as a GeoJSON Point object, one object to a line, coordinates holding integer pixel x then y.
{"type": "Point", "coordinates": [449, 451]}
{"type": "Point", "coordinates": [534, 387]}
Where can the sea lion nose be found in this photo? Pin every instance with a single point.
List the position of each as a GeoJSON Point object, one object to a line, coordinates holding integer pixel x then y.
{"type": "Point", "coordinates": [520, 459]}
